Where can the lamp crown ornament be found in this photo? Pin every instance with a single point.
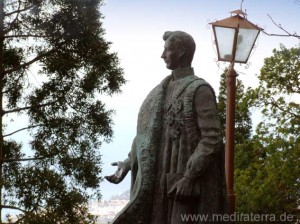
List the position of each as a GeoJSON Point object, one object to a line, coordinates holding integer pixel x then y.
{"type": "Point", "coordinates": [239, 12]}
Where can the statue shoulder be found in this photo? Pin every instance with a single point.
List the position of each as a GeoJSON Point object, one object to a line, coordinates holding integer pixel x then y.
{"type": "Point", "coordinates": [196, 84]}
{"type": "Point", "coordinates": [189, 106]}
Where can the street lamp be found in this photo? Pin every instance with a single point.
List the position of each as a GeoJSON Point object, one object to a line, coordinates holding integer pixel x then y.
{"type": "Point", "coordinates": [235, 37]}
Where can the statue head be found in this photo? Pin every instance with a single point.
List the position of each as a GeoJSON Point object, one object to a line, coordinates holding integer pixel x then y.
{"type": "Point", "coordinates": [179, 49]}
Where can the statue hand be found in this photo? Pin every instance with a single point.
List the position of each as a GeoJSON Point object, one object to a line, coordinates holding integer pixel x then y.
{"type": "Point", "coordinates": [120, 174]}
{"type": "Point", "coordinates": [182, 189]}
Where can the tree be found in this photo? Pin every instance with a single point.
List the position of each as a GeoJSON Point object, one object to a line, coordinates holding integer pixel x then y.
{"type": "Point", "coordinates": [267, 168]}
{"type": "Point", "coordinates": [275, 180]}
{"type": "Point", "coordinates": [60, 45]}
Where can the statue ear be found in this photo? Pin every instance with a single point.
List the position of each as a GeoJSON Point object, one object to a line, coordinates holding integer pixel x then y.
{"type": "Point", "coordinates": [181, 52]}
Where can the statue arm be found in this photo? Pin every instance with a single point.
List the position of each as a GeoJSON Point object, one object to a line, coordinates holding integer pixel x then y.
{"type": "Point", "coordinates": [123, 167]}
{"type": "Point", "coordinates": [209, 145]}
{"type": "Point", "coordinates": [120, 174]}
{"type": "Point", "coordinates": [210, 128]}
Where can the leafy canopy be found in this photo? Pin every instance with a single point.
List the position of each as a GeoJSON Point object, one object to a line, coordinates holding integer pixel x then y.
{"type": "Point", "coordinates": [267, 167]}
{"type": "Point", "coordinates": [54, 63]}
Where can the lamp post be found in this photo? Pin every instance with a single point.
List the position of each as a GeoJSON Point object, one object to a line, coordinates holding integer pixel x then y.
{"type": "Point", "coordinates": [235, 37]}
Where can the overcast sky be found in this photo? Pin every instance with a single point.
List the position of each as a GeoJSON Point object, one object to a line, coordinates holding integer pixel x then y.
{"type": "Point", "coordinates": [135, 28]}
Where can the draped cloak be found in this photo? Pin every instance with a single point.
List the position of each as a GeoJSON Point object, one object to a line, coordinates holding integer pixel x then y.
{"type": "Point", "coordinates": [178, 134]}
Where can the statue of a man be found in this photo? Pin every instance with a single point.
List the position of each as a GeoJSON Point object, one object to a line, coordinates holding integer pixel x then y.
{"type": "Point", "coordinates": [177, 156]}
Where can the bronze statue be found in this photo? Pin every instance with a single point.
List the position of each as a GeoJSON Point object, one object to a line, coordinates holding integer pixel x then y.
{"type": "Point", "coordinates": [177, 156]}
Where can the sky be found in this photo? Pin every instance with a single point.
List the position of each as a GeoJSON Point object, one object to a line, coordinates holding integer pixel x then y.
{"type": "Point", "coordinates": [135, 28]}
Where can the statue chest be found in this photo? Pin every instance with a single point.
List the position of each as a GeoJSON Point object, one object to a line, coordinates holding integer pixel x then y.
{"type": "Point", "coordinates": [174, 122]}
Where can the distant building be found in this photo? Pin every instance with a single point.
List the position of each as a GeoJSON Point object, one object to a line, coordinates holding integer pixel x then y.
{"type": "Point", "coordinates": [106, 210]}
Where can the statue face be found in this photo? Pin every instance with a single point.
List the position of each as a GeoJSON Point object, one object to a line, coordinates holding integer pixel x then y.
{"type": "Point", "coordinates": [171, 55]}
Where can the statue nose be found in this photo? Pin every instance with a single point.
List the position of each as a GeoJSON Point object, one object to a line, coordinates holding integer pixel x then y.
{"type": "Point", "coordinates": [163, 55]}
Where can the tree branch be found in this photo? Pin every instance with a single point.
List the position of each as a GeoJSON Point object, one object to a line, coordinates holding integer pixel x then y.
{"type": "Point", "coordinates": [14, 21]}
{"type": "Point", "coordinates": [28, 63]}
{"type": "Point", "coordinates": [272, 102]}
{"type": "Point", "coordinates": [286, 111]}
{"type": "Point", "coordinates": [24, 159]}
{"type": "Point", "coordinates": [25, 36]}
{"type": "Point", "coordinates": [19, 10]}
{"type": "Point", "coordinates": [287, 34]}
{"type": "Point", "coordinates": [26, 108]}
{"type": "Point", "coordinates": [15, 110]}
{"type": "Point", "coordinates": [22, 129]}
{"type": "Point", "coordinates": [12, 207]}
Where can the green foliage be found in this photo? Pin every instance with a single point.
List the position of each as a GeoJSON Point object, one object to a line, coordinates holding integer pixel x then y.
{"type": "Point", "coordinates": [54, 63]}
{"type": "Point", "coordinates": [279, 87]}
{"type": "Point", "coordinates": [270, 185]}
{"type": "Point", "coordinates": [267, 168]}
{"type": "Point", "coordinates": [276, 172]}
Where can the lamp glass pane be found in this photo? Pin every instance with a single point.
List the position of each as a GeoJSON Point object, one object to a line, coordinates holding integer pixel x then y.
{"type": "Point", "coordinates": [245, 42]}
{"type": "Point", "coordinates": [224, 39]}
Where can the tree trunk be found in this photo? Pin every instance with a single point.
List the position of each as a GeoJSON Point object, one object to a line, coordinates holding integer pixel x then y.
{"type": "Point", "coordinates": [1, 98]}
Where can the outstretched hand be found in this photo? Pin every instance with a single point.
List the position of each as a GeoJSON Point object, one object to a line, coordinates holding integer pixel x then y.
{"type": "Point", "coordinates": [120, 174]}
{"type": "Point", "coordinates": [182, 189]}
